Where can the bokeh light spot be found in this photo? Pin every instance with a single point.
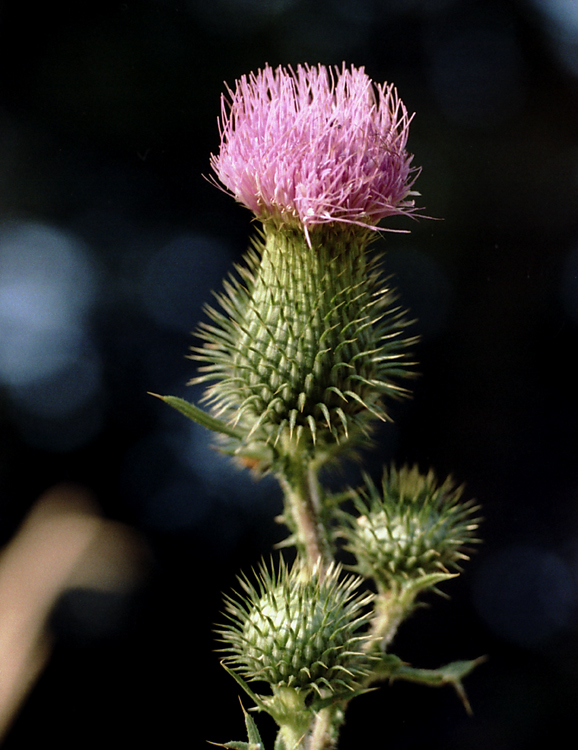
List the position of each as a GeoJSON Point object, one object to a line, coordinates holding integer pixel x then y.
{"type": "Point", "coordinates": [58, 395]}
{"type": "Point", "coordinates": [179, 278]}
{"type": "Point", "coordinates": [47, 284]}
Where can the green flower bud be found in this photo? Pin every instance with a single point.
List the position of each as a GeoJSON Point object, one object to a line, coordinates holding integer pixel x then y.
{"type": "Point", "coordinates": [414, 529]}
{"type": "Point", "coordinates": [300, 630]}
{"type": "Point", "coordinates": [309, 344]}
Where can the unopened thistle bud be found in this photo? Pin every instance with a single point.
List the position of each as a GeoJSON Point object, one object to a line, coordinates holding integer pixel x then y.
{"type": "Point", "coordinates": [300, 630]}
{"type": "Point", "coordinates": [411, 530]}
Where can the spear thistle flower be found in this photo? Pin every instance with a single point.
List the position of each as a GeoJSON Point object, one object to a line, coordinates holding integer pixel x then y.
{"type": "Point", "coordinates": [316, 146]}
{"type": "Point", "coordinates": [311, 339]}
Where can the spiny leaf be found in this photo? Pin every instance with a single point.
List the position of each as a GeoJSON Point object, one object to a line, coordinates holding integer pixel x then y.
{"type": "Point", "coordinates": [255, 742]}
{"type": "Point", "coordinates": [198, 415]}
{"type": "Point", "coordinates": [450, 674]}
{"type": "Point", "coordinates": [258, 702]}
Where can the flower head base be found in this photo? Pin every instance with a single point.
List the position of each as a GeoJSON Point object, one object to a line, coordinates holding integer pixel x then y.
{"type": "Point", "coordinates": [310, 347]}
{"type": "Point", "coordinates": [316, 146]}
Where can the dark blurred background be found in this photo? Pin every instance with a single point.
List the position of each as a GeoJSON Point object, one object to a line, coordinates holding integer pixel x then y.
{"type": "Point", "coordinates": [110, 242]}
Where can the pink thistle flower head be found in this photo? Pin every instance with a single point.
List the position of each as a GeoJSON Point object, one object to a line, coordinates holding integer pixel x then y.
{"type": "Point", "coordinates": [315, 146]}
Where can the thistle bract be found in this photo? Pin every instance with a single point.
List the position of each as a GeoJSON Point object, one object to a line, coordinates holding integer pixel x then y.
{"type": "Point", "coordinates": [297, 629]}
{"type": "Point", "coordinates": [413, 528]}
{"type": "Point", "coordinates": [315, 146]}
{"type": "Point", "coordinates": [308, 346]}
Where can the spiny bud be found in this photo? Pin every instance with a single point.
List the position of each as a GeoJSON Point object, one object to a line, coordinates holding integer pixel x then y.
{"type": "Point", "coordinates": [299, 629]}
{"type": "Point", "coordinates": [414, 528]}
{"type": "Point", "coordinates": [310, 343]}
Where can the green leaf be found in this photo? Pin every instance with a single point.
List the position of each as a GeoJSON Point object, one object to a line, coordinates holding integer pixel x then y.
{"type": "Point", "coordinates": [198, 415]}
{"type": "Point", "coordinates": [252, 731]}
{"type": "Point", "coordinates": [255, 741]}
{"type": "Point", "coordinates": [240, 681]}
{"type": "Point", "coordinates": [413, 587]}
{"type": "Point", "coordinates": [337, 697]}
{"type": "Point", "coordinates": [450, 674]}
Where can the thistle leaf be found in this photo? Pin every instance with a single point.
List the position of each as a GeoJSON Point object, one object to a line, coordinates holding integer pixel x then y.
{"type": "Point", "coordinates": [198, 415]}
{"type": "Point", "coordinates": [255, 742]}
{"type": "Point", "coordinates": [450, 674]}
{"type": "Point", "coordinates": [252, 731]}
{"type": "Point", "coordinates": [240, 681]}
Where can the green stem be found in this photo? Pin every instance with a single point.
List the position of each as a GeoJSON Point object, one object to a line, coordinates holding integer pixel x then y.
{"type": "Point", "coordinates": [320, 735]}
{"type": "Point", "coordinates": [289, 739]}
{"type": "Point", "coordinates": [323, 736]}
{"type": "Point", "coordinates": [293, 718]}
{"type": "Point", "coordinates": [391, 608]}
{"type": "Point", "coordinates": [303, 511]}
{"type": "Point", "coordinates": [303, 507]}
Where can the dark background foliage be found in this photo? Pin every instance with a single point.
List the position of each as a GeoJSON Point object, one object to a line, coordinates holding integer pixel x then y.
{"type": "Point", "coordinates": [110, 242]}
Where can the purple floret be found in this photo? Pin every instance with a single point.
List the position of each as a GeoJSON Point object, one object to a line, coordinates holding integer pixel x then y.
{"type": "Point", "coordinates": [315, 146]}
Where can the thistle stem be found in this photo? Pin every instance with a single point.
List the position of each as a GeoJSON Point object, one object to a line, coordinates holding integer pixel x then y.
{"type": "Point", "coordinates": [388, 617]}
{"type": "Point", "coordinates": [392, 606]}
{"type": "Point", "coordinates": [322, 736]}
{"type": "Point", "coordinates": [289, 739]}
{"type": "Point", "coordinates": [302, 505]}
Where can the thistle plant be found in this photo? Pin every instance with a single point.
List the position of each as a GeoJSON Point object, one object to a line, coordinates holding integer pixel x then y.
{"type": "Point", "coordinates": [301, 356]}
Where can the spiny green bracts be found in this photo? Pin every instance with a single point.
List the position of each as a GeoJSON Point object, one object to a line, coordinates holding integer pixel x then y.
{"type": "Point", "coordinates": [310, 342]}
{"type": "Point", "coordinates": [299, 630]}
{"type": "Point", "coordinates": [414, 529]}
